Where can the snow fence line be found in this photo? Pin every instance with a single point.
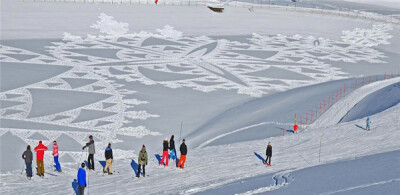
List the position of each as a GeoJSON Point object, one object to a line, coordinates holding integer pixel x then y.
{"type": "Point", "coordinates": [312, 117]}
{"type": "Point", "coordinates": [263, 4]}
{"type": "Point", "coordinates": [333, 115]}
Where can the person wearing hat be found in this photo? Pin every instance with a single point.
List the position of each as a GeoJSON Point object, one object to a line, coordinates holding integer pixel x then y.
{"type": "Point", "coordinates": [81, 180]}
{"type": "Point", "coordinates": [182, 159]}
{"type": "Point", "coordinates": [142, 161]}
{"type": "Point", "coordinates": [55, 155]}
{"type": "Point", "coordinates": [269, 154]}
{"type": "Point", "coordinates": [91, 147]}
{"type": "Point", "coordinates": [28, 157]}
{"type": "Point", "coordinates": [165, 153]}
{"type": "Point", "coordinates": [109, 158]}
{"type": "Point", "coordinates": [39, 149]}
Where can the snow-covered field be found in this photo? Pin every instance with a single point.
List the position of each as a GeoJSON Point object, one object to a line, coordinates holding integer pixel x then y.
{"type": "Point", "coordinates": [132, 74]}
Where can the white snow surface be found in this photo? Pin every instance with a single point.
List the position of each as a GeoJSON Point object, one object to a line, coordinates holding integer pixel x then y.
{"type": "Point", "coordinates": [147, 87]}
{"type": "Point", "coordinates": [217, 165]}
{"type": "Point", "coordinates": [384, 3]}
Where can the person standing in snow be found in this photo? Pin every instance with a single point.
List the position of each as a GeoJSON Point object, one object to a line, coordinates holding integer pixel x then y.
{"type": "Point", "coordinates": [81, 179]}
{"type": "Point", "coordinates": [165, 153]}
{"type": "Point", "coordinates": [39, 149]}
{"type": "Point", "coordinates": [109, 158]}
{"type": "Point", "coordinates": [182, 159]}
{"type": "Point", "coordinates": [91, 147]}
{"type": "Point", "coordinates": [55, 155]}
{"type": "Point", "coordinates": [368, 124]}
{"type": "Point", "coordinates": [268, 154]}
{"type": "Point", "coordinates": [142, 161]}
{"type": "Point", "coordinates": [28, 157]}
{"type": "Point", "coordinates": [172, 148]}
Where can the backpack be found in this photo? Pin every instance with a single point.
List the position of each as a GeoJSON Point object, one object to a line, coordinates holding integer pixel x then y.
{"type": "Point", "coordinates": [143, 157]}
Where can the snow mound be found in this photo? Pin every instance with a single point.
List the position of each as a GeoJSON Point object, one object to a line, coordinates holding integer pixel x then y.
{"type": "Point", "coordinates": [169, 32]}
{"type": "Point", "coordinates": [342, 107]}
{"type": "Point", "coordinates": [108, 25]}
{"type": "Point", "coordinates": [374, 103]}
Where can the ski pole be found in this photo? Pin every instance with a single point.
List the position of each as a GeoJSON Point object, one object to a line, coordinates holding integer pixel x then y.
{"type": "Point", "coordinates": [180, 133]}
{"type": "Point", "coordinates": [79, 160]}
{"type": "Point", "coordinates": [88, 183]}
{"type": "Point", "coordinates": [22, 171]}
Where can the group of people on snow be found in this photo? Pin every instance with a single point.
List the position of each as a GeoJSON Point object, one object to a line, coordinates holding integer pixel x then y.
{"type": "Point", "coordinates": [108, 153]}
{"type": "Point", "coordinates": [169, 151]}
{"type": "Point", "coordinates": [172, 154]}
{"type": "Point", "coordinates": [39, 149]}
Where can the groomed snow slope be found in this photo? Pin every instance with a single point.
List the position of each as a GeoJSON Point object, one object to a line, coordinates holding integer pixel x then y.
{"type": "Point", "coordinates": [213, 166]}
{"type": "Point", "coordinates": [384, 3]}
{"type": "Point", "coordinates": [375, 102]}
{"type": "Point", "coordinates": [339, 110]}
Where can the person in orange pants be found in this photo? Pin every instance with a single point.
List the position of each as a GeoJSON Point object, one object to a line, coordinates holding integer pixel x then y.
{"type": "Point", "coordinates": [165, 153]}
{"type": "Point", "coordinates": [182, 159]}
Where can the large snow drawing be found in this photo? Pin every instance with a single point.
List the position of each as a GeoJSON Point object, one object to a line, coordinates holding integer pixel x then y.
{"type": "Point", "coordinates": [37, 85]}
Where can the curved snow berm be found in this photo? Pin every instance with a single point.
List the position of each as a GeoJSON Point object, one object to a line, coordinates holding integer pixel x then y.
{"type": "Point", "coordinates": [262, 118]}
{"type": "Point", "coordinates": [374, 103]}
{"type": "Point", "coordinates": [342, 107]}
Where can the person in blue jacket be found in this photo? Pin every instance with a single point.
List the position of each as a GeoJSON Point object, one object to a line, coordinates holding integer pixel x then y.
{"type": "Point", "coordinates": [368, 124]}
{"type": "Point", "coordinates": [82, 179]}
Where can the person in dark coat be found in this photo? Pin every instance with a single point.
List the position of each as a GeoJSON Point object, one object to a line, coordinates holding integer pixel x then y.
{"type": "Point", "coordinates": [108, 153]}
{"type": "Point", "coordinates": [28, 157]}
{"type": "Point", "coordinates": [269, 154]}
{"type": "Point", "coordinates": [165, 152]}
{"type": "Point", "coordinates": [172, 148]}
{"type": "Point", "coordinates": [182, 159]}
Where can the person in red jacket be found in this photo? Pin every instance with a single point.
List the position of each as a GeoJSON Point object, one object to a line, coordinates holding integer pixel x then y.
{"type": "Point", "coordinates": [39, 149]}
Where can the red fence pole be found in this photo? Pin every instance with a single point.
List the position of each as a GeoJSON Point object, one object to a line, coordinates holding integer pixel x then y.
{"type": "Point", "coordinates": [301, 121]}
{"type": "Point", "coordinates": [312, 114]}
{"type": "Point", "coordinates": [306, 118]}
{"type": "Point", "coordinates": [337, 94]}
{"type": "Point", "coordinates": [344, 89]}
{"type": "Point", "coordinates": [320, 108]}
{"type": "Point", "coordinates": [329, 101]}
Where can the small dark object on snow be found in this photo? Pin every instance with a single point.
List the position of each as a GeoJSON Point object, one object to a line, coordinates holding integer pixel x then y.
{"type": "Point", "coordinates": [216, 9]}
